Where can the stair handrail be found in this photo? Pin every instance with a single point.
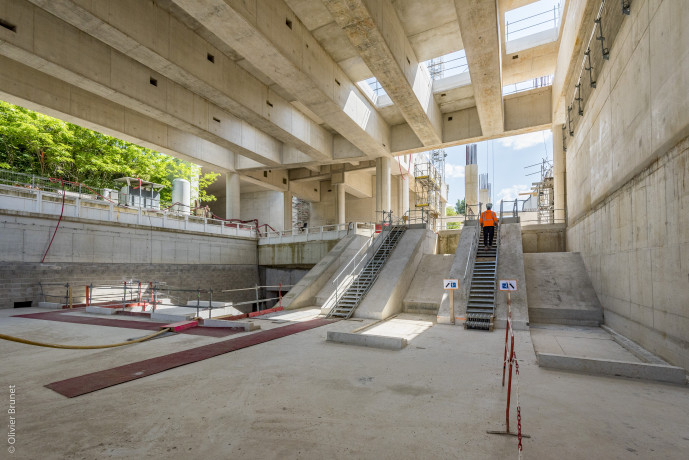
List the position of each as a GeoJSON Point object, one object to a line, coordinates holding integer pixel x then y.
{"type": "Point", "coordinates": [375, 277]}
{"type": "Point", "coordinates": [366, 245]}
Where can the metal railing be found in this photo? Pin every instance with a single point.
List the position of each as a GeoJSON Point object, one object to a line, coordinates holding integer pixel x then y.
{"type": "Point", "coordinates": [534, 21]}
{"type": "Point", "coordinates": [441, 68]}
{"type": "Point", "coordinates": [527, 85]}
{"type": "Point", "coordinates": [361, 254]}
{"type": "Point", "coordinates": [323, 232]}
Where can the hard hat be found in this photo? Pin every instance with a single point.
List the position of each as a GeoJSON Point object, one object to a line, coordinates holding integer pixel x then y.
{"type": "Point", "coordinates": [489, 205]}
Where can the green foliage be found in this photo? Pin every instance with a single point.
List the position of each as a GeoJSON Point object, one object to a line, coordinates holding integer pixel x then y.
{"type": "Point", "coordinates": [460, 206]}
{"type": "Point", "coordinates": [33, 143]}
{"type": "Point", "coordinates": [450, 211]}
{"type": "Point", "coordinates": [453, 225]}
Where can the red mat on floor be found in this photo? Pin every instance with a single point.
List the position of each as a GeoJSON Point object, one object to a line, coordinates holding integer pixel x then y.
{"type": "Point", "coordinates": [59, 315]}
{"type": "Point", "coordinates": [95, 381]}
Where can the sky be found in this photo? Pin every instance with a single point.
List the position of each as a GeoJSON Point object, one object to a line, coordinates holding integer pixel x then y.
{"type": "Point", "coordinates": [505, 160]}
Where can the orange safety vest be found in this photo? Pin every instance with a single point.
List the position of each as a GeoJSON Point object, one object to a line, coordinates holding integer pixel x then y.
{"type": "Point", "coordinates": [488, 218]}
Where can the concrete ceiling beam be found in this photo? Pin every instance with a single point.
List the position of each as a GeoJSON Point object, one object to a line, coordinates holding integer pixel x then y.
{"type": "Point", "coordinates": [478, 24]}
{"type": "Point", "coordinates": [93, 66]}
{"type": "Point", "coordinates": [276, 43]}
{"type": "Point", "coordinates": [25, 86]}
{"type": "Point", "coordinates": [149, 34]}
{"type": "Point", "coordinates": [525, 112]}
{"type": "Point", "coordinates": [380, 39]}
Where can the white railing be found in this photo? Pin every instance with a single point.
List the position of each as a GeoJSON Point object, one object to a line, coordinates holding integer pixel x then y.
{"type": "Point", "coordinates": [322, 233]}
{"type": "Point", "coordinates": [23, 199]}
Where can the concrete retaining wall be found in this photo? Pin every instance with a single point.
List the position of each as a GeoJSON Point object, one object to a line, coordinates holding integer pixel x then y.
{"type": "Point", "coordinates": [19, 280]}
{"type": "Point", "coordinates": [24, 237]}
{"type": "Point", "coordinates": [628, 181]}
{"type": "Point", "coordinates": [543, 238]}
{"type": "Point", "coordinates": [296, 255]}
{"type": "Point", "coordinates": [448, 241]}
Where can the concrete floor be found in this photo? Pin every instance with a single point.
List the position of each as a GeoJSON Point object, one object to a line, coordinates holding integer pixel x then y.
{"type": "Point", "coordinates": [301, 397]}
{"type": "Point", "coordinates": [580, 341]}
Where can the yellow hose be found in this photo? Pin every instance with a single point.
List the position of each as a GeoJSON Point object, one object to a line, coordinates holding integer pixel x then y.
{"type": "Point", "coordinates": [81, 347]}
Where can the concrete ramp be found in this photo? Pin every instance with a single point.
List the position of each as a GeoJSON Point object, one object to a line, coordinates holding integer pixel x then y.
{"type": "Point", "coordinates": [426, 292]}
{"type": "Point", "coordinates": [559, 290]}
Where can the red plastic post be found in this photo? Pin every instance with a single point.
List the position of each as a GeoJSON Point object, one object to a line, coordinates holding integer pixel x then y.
{"type": "Point", "coordinates": [509, 388]}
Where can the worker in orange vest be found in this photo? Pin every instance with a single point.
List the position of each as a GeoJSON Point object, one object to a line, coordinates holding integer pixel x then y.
{"type": "Point", "coordinates": [488, 221]}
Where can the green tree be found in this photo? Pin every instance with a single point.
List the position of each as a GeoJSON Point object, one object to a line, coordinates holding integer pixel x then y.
{"type": "Point", "coordinates": [460, 207]}
{"type": "Point", "coordinates": [37, 144]}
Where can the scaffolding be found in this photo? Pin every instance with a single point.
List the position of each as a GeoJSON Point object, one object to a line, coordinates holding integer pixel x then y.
{"type": "Point", "coordinates": [543, 192]}
{"type": "Point", "coordinates": [429, 178]}
{"type": "Point", "coordinates": [301, 212]}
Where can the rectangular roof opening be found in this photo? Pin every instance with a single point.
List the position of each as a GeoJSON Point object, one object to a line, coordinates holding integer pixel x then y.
{"type": "Point", "coordinates": [532, 25]}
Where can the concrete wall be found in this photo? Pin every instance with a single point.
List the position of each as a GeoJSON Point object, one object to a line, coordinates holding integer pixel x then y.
{"type": "Point", "coordinates": [19, 281]}
{"type": "Point", "coordinates": [448, 241]}
{"type": "Point", "coordinates": [305, 254]}
{"type": "Point", "coordinates": [85, 252]}
{"type": "Point", "coordinates": [267, 207]}
{"type": "Point", "coordinates": [24, 237]}
{"type": "Point", "coordinates": [627, 174]}
{"type": "Point", "coordinates": [543, 238]}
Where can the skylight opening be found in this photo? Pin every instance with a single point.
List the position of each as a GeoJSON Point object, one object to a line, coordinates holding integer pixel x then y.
{"type": "Point", "coordinates": [541, 17]}
{"type": "Point", "coordinates": [527, 85]}
{"type": "Point", "coordinates": [454, 63]}
{"type": "Point", "coordinates": [375, 92]}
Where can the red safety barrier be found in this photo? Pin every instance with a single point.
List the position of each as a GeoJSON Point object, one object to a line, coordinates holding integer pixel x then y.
{"type": "Point", "coordinates": [510, 356]}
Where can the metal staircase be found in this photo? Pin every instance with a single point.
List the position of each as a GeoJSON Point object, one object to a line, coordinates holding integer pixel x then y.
{"type": "Point", "coordinates": [481, 305]}
{"type": "Point", "coordinates": [346, 304]}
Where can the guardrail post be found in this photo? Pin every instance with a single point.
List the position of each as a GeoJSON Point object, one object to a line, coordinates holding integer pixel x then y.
{"type": "Point", "coordinates": [258, 304]}
{"type": "Point", "coordinates": [198, 301]}
{"type": "Point", "coordinates": [210, 303]}
{"type": "Point", "coordinates": [124, 296]}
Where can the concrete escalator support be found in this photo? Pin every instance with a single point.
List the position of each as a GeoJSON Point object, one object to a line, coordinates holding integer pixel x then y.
{"type": "Point", "coordinates": [511, 266]}
{"type": "Point", "coordinates": [305, 292]}
{"type": "Point", "coordinates": [385, 298]}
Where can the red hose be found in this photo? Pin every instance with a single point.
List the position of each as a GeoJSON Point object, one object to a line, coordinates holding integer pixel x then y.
{"type": "Point", "coordinates": [58, 221]}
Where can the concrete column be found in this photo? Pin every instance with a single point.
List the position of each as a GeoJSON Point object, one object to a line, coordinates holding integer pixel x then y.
{"type": "Point", "coordinates": [340, 188]}
{"type": "Point", "coordinates": [386, 189]}
{"type": "Point", "coordinates": [379, 185]}
{"type": "Point", "coordinates": [471, 180]}
{"type": "Point", "coordinates": [287, 202]}
{"type": "Point", "coordinates": [232, 195]}
{"type": "Point", "coordinates": [404, 193]}
{"type": "Point", "coordinates": [559, 175]}
{"type": "Point", "coordinates": [484, 189]}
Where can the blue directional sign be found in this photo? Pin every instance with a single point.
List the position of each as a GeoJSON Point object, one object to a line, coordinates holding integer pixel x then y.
{"type": "Point", "coordinates": [508, 285]}
{"type": "Point", "coordinates": [451, 284]}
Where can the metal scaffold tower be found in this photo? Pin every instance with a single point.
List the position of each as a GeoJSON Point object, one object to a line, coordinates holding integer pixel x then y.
{"type": "Point", "coordinates": [543, 192]}
{"type": "Point", "coordinates": [429, 178]}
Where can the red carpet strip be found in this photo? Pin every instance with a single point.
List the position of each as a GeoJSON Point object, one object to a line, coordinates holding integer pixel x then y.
{"type": "Point", "coordinates": [95, 381]}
